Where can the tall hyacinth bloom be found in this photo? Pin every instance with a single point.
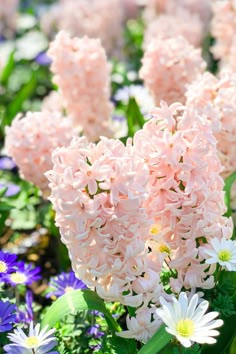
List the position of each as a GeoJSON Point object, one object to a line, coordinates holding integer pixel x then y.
{"type": "Point", "coordinates": [168, 66]}
{"type": "Point", "coordinates": [223, 29]}
{"type": "Point", "coordinates": [83, 79]}
{"type": "Point", "coordinates": [202, 9]}
{"type": "Point", "coordinates": [216, 100]}
{"type": "Point", "coordinates": [30, 141]}
{"type": "Point", "coordinates": [96, 19]}
{"type": "Point", "coordinates": [7, 315]}
{"type": "Point", "coordinates": [97, 193]}
{"type": "Point", "coordinates": [186, 199]}
{"type": "Point", "coordinates": [171, 25]}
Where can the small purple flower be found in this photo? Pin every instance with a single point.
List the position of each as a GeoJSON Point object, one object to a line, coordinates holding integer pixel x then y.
{"type": "Point", "coordinates": [26, 316]}
{"type": "Point", "coordinates": [94, 331]}
{"type": "Point", "coordinates": [43, 59]}
{"type": "Point", "coordinates": [12, 189]}
{"type": "Point", "coordinates": [6, 163]}
{"type": "Point", "coordinates": [24, 274]}
{"type": "Point", "coordinates": [119, 118]}
{"type": "Point", "coordinates": [7, 263]}
{"type": "Point", "coordinates": [7, 317]}
{"type": "Point", "coordinates": [64, 283]}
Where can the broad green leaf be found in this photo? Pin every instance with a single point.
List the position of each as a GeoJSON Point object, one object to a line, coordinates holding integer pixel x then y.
{"type": "Point", "coordinates": [160, 339]}
{"type": "Point", "coordinates": [229, 181]}
{"type": "Point", "coordinates": [74, 301]}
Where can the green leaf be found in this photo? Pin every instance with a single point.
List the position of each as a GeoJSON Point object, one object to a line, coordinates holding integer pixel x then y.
{"type": "Point", "coordinates": [7, 70]}
{"type": "Point", "coordinates": [16, 106]}
{"type": "Point", "coordinates": [135, 118]}
{"type": "Point", "coordinates": [74, 301]}
{"type": "Point", "coordinates": [121, 345]}
{"type": "Point", "coordinates": [229, 181]}
{"type": "Point", "coordinates": [160, 339]}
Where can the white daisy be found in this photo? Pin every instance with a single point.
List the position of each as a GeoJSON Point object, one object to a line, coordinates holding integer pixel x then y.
{"type": "Point", "coordinates": [186, 320]}
{"type": "Point", "coordinates": [223, 252]}
{"type": "Point", "coordinates": [37, 342]}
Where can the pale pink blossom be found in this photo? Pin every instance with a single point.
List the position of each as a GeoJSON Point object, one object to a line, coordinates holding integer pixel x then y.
{"type": "Point", "coordinates": [171, 25]}
{"type": "Point", "coordinates": [8, 17]}
{"type": "Point", "coordinates": [223, 29]}
{"type": "Point", "coordinates": [97, 193]}
{"type": "Point", "coordinates": [202, 9]}
{"type": "Point", "coordinates": [101, 19]}
{"type": "Point", "coordinates": [185, 188]}
{"type": "Point", "coordinates": [168, 66]}
{"type": "Point", "coordinates": [84, 83]}
{"type": "Point", "coordinates": [53, 102]}
{"type": "Point", "coordinates": [216, 100]}
{"type": "Point", "coordinates": [30, 141]}
{"type": "Point", "coordinates": [143, 326]}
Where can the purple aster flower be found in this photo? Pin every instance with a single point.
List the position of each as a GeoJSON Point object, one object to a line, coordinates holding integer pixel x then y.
{"type": "Point", "coordinates": [24, 274]}
{"type": "Point", "coordinates": [37, 342]}
{"type": "Point", "coordinates": [7, 317]}
{"type": "Point", "coordinates": [12, 189]}
{"type": "Point", "coordinates": [26, 315]}
{"type": "Point", "coordinates": [64, 283]}
{"type": "Point", "coordinates": [6, 163]}
{"type": "Point", "coordinates": [43, 59]}
{"type": "Point", "coordinates": [7, 263]}
{"type": "Point", "coordinates": [94, 331]}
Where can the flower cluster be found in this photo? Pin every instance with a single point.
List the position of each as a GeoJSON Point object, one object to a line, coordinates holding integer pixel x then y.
{"type": "Point", "coordinates": [172, 25]}
{"type": "Point", "coordinates": [185, 190]}
{"type": "Point", "coordinates": [83, 78]}
{"type": "Point", "coordinates": [223, 29]}
{"type": "Point", "coordinates": [8, 16]}
{"type": "Point", "coordinates": [30, 141]}
{"type": "Point", "coordinates": [216, 100]}
{"type": "Point", "coordinates": [125, 212]}
{"type": "Point", "coordinates": [96, 19]}
{"type": "Point", "coordinates": [195, 7]}
{"type": "Point", "coordinates": [97, 192]}
{"type": "Point", "coordinates": [168, 66]}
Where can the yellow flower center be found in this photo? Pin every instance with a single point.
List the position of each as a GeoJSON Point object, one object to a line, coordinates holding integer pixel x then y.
{"type": "Point", "coordinates": [68, 289]}
{"type": "Point", "coordinates": [224, 255]}
{"type": "Point", "coordinates": [18, 278]}
{"type": "Point", "coordinates": [164, 248]}
{"type": "Point", "coordinates": [185, 327]}
{"type": "Point", "coordinates": [154, 229]}
{"type": "Point", "coordinates": [32, 342]}
{"type": "Point", "coordinates": [3, 267]}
